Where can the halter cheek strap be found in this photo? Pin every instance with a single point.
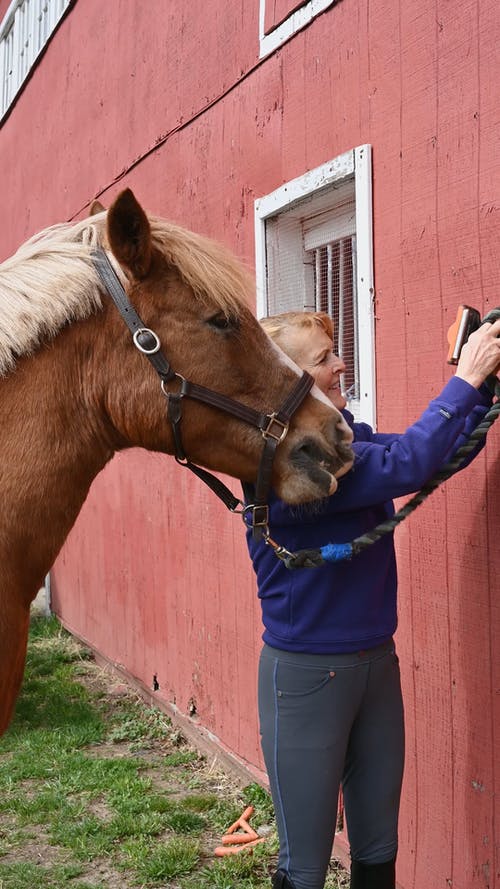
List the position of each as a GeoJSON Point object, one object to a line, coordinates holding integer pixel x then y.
{"type": "Point", "coordinates": [145, 339]}
{"type": "Point", "coordinates": [273, 427]}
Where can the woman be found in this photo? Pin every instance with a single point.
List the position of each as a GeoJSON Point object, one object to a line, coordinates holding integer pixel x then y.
{"type": "Point", "coordinates": [330, 703]}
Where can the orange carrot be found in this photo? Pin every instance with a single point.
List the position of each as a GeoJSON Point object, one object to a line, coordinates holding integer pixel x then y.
{"type": "Point", "coordinates": [246, 814]}
{"type": "Point", "coordinates": [246, 827]}
{"type": "Point", "coordinates": [232, 839]}
{"type": "Point", "coordinates": [233, 850]}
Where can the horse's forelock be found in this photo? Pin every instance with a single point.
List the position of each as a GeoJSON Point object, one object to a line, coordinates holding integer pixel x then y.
{"type": "Point", "coordinates": [211, 271]}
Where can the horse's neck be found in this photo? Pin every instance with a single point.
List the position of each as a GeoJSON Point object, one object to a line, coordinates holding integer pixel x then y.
{"type": "Point", "coordinates": [50, 450]}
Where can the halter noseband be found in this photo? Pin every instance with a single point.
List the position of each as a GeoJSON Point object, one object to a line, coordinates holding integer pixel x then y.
{"type": "Point", "coordinates": [273, 427]}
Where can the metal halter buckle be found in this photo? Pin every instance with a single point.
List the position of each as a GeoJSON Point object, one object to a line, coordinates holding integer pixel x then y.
{"type": "Point", "coordinates": [157, 344]}
{"type": "Point", "coordinates": [268, 431]}
{"type": "Point", "coordinates": [259, 514]}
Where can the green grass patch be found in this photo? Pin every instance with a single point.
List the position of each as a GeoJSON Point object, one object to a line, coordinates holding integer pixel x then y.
{"type": "Point", "coordinates": [20, 875]}
{"type": "Point", "coordinates": [181, 758]}
{"type": "Point", "coordinates": [132, 721]}
{"type": "Point", "coordinates": [153, 865]}
{"type": "Point", "coordinates": [100, 790]}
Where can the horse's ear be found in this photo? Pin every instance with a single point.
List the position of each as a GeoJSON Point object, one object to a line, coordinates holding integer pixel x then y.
{"type": "Point", "coordinates": [129, 234]}
{"type": "Point", "coordinates": [96, 207]}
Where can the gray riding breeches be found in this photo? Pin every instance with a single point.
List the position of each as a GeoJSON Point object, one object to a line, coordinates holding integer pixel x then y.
{"type": "Point", "coordinates": [328, 721]}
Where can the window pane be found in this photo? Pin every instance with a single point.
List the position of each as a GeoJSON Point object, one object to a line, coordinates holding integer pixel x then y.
{"type": "Point", "coordinates": [335, 293]}
{"type": "Point", "coordinates": [31, 28]}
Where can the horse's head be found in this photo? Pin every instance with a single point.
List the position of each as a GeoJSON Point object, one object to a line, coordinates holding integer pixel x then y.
{"type": "Point", "coordinates": [194, 295]}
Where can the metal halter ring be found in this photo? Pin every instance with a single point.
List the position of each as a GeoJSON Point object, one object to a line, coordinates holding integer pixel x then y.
{"type": "Point", "coordinates": [137, 334]}
{"type": "Point", "coordinates": [163, 384]}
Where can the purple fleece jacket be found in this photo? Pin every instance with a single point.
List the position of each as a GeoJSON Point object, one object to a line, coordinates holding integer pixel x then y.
{"type": "Point", "coordinates": [350, 606]}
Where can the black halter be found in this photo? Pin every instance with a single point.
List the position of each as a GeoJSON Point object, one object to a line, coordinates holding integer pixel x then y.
{"type": "Point", "coordinates": [273, 427]}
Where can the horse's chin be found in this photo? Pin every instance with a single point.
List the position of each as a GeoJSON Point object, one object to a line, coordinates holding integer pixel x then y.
{"type": "Point", "coordinates": [312, 478]}
{"type": "Point", "coordinates": [305, 487]}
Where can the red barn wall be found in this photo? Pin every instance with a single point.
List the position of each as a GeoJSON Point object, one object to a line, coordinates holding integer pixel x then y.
{"type": "Point", "coordinates": [179, 107]}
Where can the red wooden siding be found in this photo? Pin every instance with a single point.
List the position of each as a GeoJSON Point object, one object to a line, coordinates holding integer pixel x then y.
{"type": "Point", "coordinates": [155, 573]}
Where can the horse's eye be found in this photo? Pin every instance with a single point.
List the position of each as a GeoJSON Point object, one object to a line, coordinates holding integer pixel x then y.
{"type": "Point", "coordinates": [221, 322]}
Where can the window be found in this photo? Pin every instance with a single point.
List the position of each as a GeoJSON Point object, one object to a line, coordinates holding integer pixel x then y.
{"type": "Point", "coordinates": [281, 19]}
{"type": "Point", "coordinates": [25, 30]}
{"type": "Point", "coordinates": [314, 252]}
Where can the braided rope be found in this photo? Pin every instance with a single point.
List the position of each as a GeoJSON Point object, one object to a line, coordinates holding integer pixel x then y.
{"type": "Point", "coordinates": [360, 543]}
{"type": "Point", "coordinates": [337, 552]}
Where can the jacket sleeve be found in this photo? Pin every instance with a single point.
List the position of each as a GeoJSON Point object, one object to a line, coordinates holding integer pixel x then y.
{"type": "Point", "coordinates": [474, 418]}
{"type": "Point", "coordinates": [401, 464]}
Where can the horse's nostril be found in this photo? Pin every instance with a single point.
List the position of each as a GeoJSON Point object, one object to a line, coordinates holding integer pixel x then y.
{"type": "Point", "coordinates": [345, 432]}
{"type": "Point", "coordinates": [306, 452]}
{"type": "Point", "coordinates": [338, 433]}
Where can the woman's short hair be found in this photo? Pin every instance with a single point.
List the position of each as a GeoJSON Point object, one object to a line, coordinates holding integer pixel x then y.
{"type": "Point", "coordinates": [277, 326]}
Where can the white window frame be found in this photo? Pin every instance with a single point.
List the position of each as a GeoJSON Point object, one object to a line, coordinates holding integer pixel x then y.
{"type": "Point", "coordinates": [357, 165]}
{"type": "Point", "coordinates": [13, 28]}
{"type": "Point", "coordinates": [295, 22]}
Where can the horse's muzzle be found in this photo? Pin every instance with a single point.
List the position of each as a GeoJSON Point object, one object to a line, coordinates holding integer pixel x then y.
{"type": "Point", "coordinates": [321, 460]}
{"type": "Point", "coordinates": [322, 466]}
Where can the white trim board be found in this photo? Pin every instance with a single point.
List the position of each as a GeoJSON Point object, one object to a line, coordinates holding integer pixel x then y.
{"type": "Point", "coordinates": [295, 22]}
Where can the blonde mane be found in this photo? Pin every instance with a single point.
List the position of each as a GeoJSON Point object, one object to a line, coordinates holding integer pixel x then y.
{"type": "Point", "coordinates": [51, 281]}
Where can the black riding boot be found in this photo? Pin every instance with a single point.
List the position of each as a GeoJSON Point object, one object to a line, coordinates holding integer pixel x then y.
{"type": "Point", "coordinates": [281, 880]}
{"type": "Point", "coordinates": [373, 876]}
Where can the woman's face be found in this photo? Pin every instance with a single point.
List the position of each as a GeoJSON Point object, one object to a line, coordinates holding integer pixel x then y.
{"type": "Point", "coordinates": [311, 348]}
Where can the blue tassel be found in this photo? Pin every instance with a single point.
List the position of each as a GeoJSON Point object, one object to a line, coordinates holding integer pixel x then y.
{"type": "Point", "coordinates": [336, 552]}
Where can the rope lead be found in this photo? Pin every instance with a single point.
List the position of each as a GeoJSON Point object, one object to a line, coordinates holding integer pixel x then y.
{"type": "Point", "coordinates": [337, 552]}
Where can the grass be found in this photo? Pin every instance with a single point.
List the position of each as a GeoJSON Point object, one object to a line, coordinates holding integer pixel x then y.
{"type": "Point", "coordinates": [98, 790]}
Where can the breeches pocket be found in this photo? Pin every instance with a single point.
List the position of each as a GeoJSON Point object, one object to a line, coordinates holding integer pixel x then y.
{"type": "Point", "coordinates": [301, 680]}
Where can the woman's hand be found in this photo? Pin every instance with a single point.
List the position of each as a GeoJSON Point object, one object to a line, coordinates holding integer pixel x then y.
{"type": "Point", "coordinates": [480, 356]}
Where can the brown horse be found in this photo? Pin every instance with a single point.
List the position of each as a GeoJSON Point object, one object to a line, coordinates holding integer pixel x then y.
{"type": "Point", "coordinates": [73, 389]}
